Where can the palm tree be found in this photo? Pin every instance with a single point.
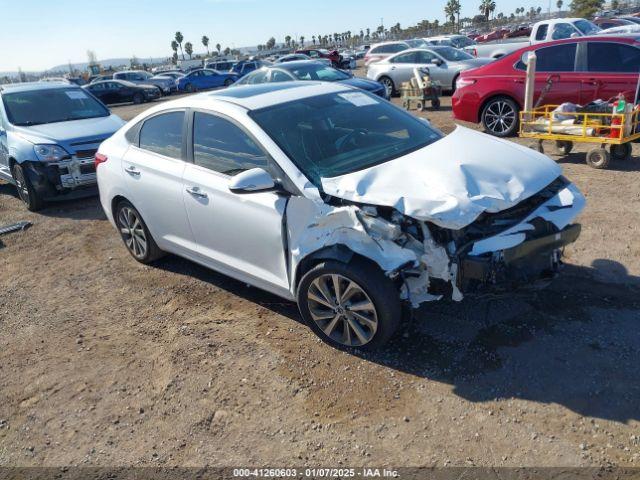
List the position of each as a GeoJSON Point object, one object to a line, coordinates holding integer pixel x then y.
{"type": "Point", "coordinates": [452, 11]}
{"type": "Point", "coordinates": [302, 40]}
{"type": "Point", "coordinates": [227, 51]}
{"type": "Point", "coordinates": [487, 7]}
{"type": "Point", "coordinates": [179, 39]}
{"type": "Point", "coordinates": [205, 42]}
{"type": "Point", "coordinates": [313, 39]}
{"type": "Point", "coordinates": [188, 47]}
{"type": "Point", "coordinates": [174, 47]}
{"type": "Point", "coordinates": [218, 47]}
{"type": "Point", "coordinates": [287, 40]}
{"type": "Point", "coordinates": [559, 5]}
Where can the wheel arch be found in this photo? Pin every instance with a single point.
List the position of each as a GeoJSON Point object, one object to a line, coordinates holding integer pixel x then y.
{"type": "Point", "coordinates": [115, 201]}
{"type": "Point", "coordinates": [493, 96]}
{"type": "Point", "coordinates": [338, 252]}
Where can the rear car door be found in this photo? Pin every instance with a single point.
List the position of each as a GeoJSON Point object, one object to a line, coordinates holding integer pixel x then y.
{"type": "Point", "coordinates": [556, 64]}
{"type": "Point", "coordinates": [611, 68]}
{"type": "Point", "coordinates": [238, 234]}
{"type": "Point", "coordinates": [401, 67]}
{"type": "Point", "coordinates": [153, 169]}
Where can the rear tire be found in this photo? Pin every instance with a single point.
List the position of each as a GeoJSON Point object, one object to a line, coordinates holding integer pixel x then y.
{"type": "Point", "coordinates": [365, 312]}
{"type": "Point", "coordinates": [138, 98]}
{"type": "Point", "coordinates": [190, 88]}
{"type": "Point", "coordinates": [621, 152]}
{"type": "Point", "coordinates": [228, 82]}
{"type": "Point", "coordinates": [32, 200]}
{"type": "Point", "coordinates": [135, 234]}
{"type": "Point", "coordinates": [388, 85]}
{"type": "Point", "coordinates": [500, 117]}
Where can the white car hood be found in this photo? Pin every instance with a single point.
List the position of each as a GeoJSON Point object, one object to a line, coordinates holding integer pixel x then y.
{"type": "Point", "coordinates": [452, 181]}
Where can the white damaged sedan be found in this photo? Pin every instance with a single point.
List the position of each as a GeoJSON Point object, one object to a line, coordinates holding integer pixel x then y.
{"type": "Point", "coordinates": [335, 198]}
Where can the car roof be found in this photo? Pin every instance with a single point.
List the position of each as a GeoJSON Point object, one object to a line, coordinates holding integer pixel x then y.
{"type": "Point", "coordinates": [388, 43]}
{"type": "Point", "coordinates": [295, 63]}
{"type": "Point", "coordinates": [255, 97]}
{"type": "Point", "coordinates": [32, 86]}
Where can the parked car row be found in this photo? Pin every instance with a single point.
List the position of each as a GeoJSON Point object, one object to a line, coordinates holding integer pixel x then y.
{"type": "Point", "coordinates": [580, 70]}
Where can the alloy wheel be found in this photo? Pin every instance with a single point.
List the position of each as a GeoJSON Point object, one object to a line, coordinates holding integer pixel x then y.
{"type": "Point", "coordinates": [342, 310]}
{"type": "Point", "coordinates": [132, 232]}
{"type": "Point", "coordinates": [388, 85]}
{"type": "Point", "coordinates": [499, 117]}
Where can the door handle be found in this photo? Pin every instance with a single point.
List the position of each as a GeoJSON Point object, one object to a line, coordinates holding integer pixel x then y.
{"type": "Point", "coordinates": [195, 191]}
{"type": "Point", "coordinates": [518, 80]}
{"type": "Point", "coordinates": [592, 81]}
{"type": "Point", "coordinates": [132, 170]}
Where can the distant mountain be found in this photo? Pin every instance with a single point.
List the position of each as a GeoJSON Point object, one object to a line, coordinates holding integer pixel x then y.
{"type": "Point", "coordinates": [108, 63]}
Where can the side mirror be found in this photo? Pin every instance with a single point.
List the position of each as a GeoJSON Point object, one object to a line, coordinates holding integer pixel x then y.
{"type": "Point", "coordinates": [437, 62]}
{"type": "Point", "coordinates": [251, 181]}
{"type": "Point", "coordinates": [575, 35]}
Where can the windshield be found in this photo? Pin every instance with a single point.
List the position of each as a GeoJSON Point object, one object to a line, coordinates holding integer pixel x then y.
{"type": "Point", "coordinates": [36, 107]}
{"type": "Point", "coordinates": [453, 54]}
{"type": "Point", "coordinates": [586, 27]}
{"type": "Point", "coordinates": [318, 72]}
{"type": "Point", "coordinates": [338, 133]}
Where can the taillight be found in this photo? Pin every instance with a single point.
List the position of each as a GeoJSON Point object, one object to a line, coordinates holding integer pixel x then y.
{"type": "Point", "coordinates": [464, 82]}
{"type": "Point", "coordinates": [475, 52]}
{"type": "Point", "coordinates": [98, 159]}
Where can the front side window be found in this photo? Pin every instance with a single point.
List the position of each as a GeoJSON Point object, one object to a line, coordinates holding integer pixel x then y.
{"type": "Point", "coordinates": [253, 78]}
{"type": "Point", "coordinates": [223, 147]}
{"type": "Point", "coordinates": [425, 57]}
{"type": "Point", "coordinates": [453, 54]}
{"type": "Point", "coordinates": [338, 133]}
{"type": "Point", "coordinates": [36, 107]}
{"type": "Point", "coordinates": [613, 57]}
{"type": "Point", "coordinates": [162, 134]}
{"type": "Point", "coordinates": [563, 30]}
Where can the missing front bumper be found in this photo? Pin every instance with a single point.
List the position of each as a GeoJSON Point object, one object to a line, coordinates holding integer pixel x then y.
{"type": "Point", "coordinates": [531, 260]}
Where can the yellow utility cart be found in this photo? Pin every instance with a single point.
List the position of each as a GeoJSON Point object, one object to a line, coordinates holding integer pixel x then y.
{"type": "Point", "coordinates": [617, 130]}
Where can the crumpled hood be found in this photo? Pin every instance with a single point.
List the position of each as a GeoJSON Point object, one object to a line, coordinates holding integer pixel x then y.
{"type": "Point", "coordinates": [452, 181]}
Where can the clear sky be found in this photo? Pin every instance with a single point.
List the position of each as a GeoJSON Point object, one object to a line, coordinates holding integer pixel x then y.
{"type": "Point", "coordinates": [38, 34]}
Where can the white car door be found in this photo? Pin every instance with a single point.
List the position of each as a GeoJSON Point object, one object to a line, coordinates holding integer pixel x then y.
{"type": "Point", "coordinates": [153, 171]}
{"type": "Point", "coordinates": [240, 235]}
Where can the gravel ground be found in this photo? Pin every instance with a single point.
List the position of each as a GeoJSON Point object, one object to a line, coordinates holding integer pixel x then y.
{"type": "Point", "coordinates": [107, 362]}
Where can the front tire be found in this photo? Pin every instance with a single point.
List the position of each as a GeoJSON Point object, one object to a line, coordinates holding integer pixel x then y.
{"type": "Point", "coordinates": [32, 200]}
{"type": "Point", "coordinates": [135, 234]}
{"type": "Point", "coordinates": [500, 117]}
{"type": "Point", "coordinates": [138, 98]}
{"type": "Point", "coordinates": [350, 306]}
{"type": "Point", "coordinates": [228, 82]}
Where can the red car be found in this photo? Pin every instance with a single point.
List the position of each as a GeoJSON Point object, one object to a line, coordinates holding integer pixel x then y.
{"type": "Point", "coordinates": [497, 34]}
{"type": "Point", "coordinates": [333, 55]}
{"type": "Point", "coordinates": [581, 70]}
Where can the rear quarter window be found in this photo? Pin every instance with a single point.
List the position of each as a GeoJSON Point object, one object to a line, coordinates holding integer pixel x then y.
{"type": "Point", "coordinates": [612, 57]}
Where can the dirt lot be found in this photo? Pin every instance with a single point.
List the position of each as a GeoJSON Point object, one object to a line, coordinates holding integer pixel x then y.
{"type": "Point", "coordinates": [107, 362]}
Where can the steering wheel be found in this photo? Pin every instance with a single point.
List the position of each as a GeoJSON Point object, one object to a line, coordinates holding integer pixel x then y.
{"type": "Point", "coordinates": [350, 137]}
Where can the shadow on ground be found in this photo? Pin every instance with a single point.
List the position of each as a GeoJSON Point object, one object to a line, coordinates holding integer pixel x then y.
{"type": "Point", "coordinates": [575, 343]}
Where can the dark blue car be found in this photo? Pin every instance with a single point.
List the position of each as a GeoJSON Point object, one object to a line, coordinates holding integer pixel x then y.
{"type": "Point", "coordinates": [310, 70]}
{"type": "Point", "coordinates": [205, 78]}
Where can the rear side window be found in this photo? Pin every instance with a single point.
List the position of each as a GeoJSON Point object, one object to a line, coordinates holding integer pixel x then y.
{"type": "Point", "coordinates": [162, 134]}
{"type": "Point", "coordinates": [405, 58]}
{"type": "Point", "coordinates": [612, 57]}
{"type": "Point", "coordinates": [396, 48]}
{"type": "Point", "coordinates": [541, 33]}
{"type": "Point", "coordinates": [223, 147]}
{"type": "Point", "coordinates": [560, 58]}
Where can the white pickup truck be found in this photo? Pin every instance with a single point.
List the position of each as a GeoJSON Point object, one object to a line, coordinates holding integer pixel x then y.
{"type": "Point", "coordinates": [544, 31]}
